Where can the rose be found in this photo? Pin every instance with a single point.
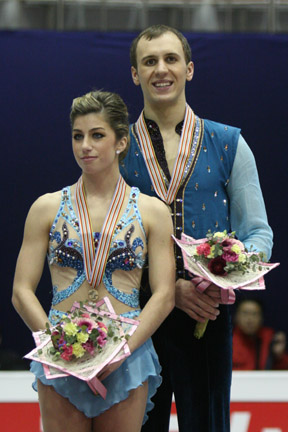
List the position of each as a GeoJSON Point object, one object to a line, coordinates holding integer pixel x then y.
{"type": "Point", "coordinates": [216, 266]}
{"type": "Point", "coordinates": [230, 256]}
{"type": "Point", "coordinates": [67, 353]}
{"type": "Point", "coordinates": [203, 249]}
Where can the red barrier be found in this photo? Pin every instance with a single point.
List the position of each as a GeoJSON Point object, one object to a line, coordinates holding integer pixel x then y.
{"type": "Point", "coordinates": [245, 417]}
{"type": "Point", "coordinates": [259, 417]}
{"type": "Point", "coordinates": [259, 403]}
{"type": "Point", "coordinates": [20, 417]}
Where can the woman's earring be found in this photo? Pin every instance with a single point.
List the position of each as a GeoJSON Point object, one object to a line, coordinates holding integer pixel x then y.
{"type": "Point", "coordinates": [118, 152]}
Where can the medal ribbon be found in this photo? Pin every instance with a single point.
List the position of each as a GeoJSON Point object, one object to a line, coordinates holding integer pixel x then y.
{"type": "Point", "coordinates": [152, 164]}
{"type": "Point", "coordinates": [95, 262]}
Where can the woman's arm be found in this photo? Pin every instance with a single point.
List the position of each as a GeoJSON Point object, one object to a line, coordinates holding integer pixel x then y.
{"type": "Point", "coordinates": [161, 270]}
{"type": "Point", "coordinates": [31, 260]}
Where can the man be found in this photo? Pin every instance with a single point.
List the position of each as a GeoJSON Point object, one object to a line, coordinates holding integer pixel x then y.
{"type": "Point", "coordinates": [207, 174]}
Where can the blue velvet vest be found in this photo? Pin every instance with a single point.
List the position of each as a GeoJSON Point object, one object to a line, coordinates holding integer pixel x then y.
{"type": "Point", "coordinates": [202, 202]}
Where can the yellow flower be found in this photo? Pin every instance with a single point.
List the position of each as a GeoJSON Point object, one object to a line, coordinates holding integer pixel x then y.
{"type": "Point", "coordinates": [219, 235]}
{"type": "Point", "coordinates": [236, 248]}
{"type": "Point", "coordinates": [212, 252]}
{"type": "Point", "coordinates": [82, 337]}
{"type": "Point", "coordinates": [78, 350]}
{"type": "Point", "coordinates": [70, 329]}
{"type": "Point", "coordinates": [242, 258]}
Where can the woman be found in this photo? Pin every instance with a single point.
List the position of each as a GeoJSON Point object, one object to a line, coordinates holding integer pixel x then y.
{"type": "Point", "coordinates": [132, 225]}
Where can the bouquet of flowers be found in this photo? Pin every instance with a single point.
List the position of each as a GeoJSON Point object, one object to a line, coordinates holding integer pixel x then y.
{"type": "Point", "coordinates": [222, 254]}
{"type": "Point", "coordinates": [86, 340]}
{"type": "Point", "coordinates": [78, 334]}
{"type": "Point", "coordinates": [221, 259]}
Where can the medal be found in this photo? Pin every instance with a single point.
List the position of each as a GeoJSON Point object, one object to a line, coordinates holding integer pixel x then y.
{"type": "Point", "coordinates": [95, 261]}
{"type": "Point", "coordinates": [93, 295]}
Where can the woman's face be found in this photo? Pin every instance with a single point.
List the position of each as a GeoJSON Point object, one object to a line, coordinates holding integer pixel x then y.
{"type": "Point", "coordinates": [94, 143]}
{"type": "Point", "coordinates": [249, 317]}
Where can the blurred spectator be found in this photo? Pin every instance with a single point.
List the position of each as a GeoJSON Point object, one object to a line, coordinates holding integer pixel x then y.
{"type": "Point", "coordinates": [256, 347]}
{"type": "Point", "coordinates": [10, 360]}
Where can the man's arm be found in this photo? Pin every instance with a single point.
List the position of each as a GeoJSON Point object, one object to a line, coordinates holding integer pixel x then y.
{"type": "Point", "coordinates": [247, 208]}
{"type": "Point", "coordinates": [248, 219]}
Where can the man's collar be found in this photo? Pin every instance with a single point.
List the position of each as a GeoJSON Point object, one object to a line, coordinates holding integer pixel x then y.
{"type": "Point", "coordinates": [153, 128]}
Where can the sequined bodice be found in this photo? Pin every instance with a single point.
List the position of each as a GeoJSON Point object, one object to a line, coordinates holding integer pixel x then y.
{"type": "Point", "coordinates": [125, 261]}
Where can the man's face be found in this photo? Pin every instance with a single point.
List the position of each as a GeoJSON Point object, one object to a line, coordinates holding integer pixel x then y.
{"type": "Point", "coordinates": [249, 317]}
{"type": "Point", "coordinates": [162, 71]}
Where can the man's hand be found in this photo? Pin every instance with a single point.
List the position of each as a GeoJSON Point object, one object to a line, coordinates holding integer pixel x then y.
{"type": "Point", "coordinates": [199, 306]}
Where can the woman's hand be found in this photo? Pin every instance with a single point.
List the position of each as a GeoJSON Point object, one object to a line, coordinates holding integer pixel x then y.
{"type": "Point", "coordinates": [109, 369]}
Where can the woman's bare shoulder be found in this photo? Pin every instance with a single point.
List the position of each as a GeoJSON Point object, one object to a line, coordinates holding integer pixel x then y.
{"type": "Point", "coordinates": [47, 201]}
{"type": "Point", "coordinates": [45, 207]}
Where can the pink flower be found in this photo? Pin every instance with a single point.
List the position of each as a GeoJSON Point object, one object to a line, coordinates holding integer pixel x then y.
{"type": "Point", "coordinates": [216, 266]}
{"type": "Point", "coordinates": [101, 339]}
{"type": "Point", "coordinates": [229, 242]}
{"type": "Point", "coordinates": [89, 323]}
{"type": "Point", "coordinates": [102, 333]}
{"type": "Point", "coordinates": [88, 346]}
{"type": "Point", "coordinates": [67, 353]}
{"type": "Point", "coordinates": [203, 249]}
{"type": "Point", "coordinates": [230, 256]}
{"type": "Point", "coordinates": [102, 326]}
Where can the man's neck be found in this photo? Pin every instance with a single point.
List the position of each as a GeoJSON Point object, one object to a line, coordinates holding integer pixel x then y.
{"type": "Point", "coordinates": [166, 116]}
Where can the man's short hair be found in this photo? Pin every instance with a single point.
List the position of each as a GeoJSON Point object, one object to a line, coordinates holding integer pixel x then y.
{"type": "Point", "coordinates": [154, 32]}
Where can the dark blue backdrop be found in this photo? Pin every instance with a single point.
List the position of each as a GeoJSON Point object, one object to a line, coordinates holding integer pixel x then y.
{"type": "Point", "coordinates": [239, 79]}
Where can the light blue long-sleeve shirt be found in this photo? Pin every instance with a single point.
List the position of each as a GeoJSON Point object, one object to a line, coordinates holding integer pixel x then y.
{"type": "Point", "coordinates": [247, 209]}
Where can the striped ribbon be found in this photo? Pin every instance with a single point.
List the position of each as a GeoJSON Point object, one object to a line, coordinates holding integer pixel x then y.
{"type": "Point", "coordinates": [95, 262]}
{"type": "Point", "coordinates": [152, 164]}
